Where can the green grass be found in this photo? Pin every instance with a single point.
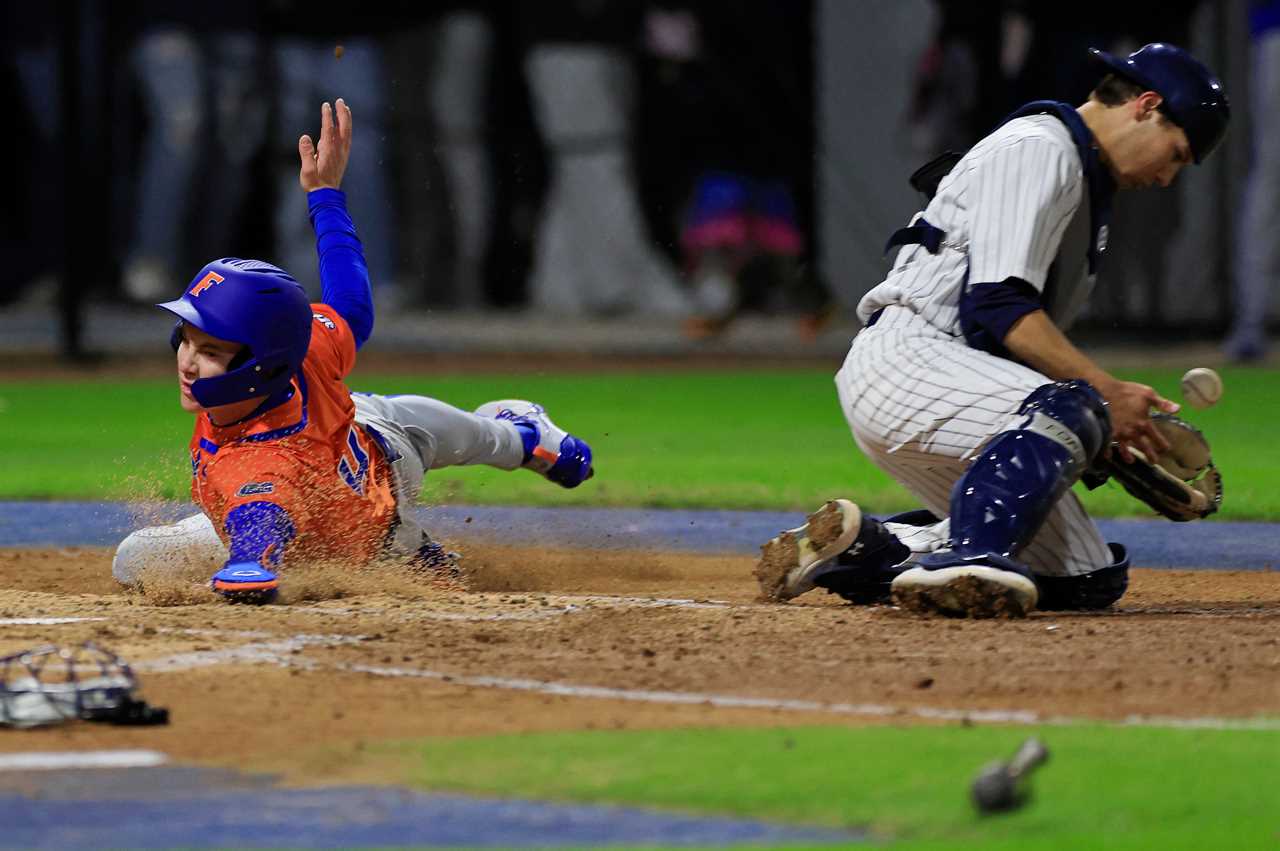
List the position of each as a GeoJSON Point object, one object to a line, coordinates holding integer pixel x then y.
{"type": "Point", "coordinates": [750, 439]}
{"type": "Point", "coordinates": [755, 439]}
{"type": "Point", "coordinates": [1103, 787]}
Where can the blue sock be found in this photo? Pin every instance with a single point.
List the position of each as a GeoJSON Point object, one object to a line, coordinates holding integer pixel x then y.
{"type": "Point", "coordinates": [529, 436]}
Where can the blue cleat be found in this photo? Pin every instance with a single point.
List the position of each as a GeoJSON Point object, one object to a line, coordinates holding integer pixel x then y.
{"type": "Point", "coordinates": [549, 450]}
{"type": "Point", "coordinates": [433, 560]}
{"type": "Point", "coordinates": [245, 582]}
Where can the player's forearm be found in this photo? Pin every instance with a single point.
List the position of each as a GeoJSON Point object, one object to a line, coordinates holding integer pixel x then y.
{"type": "Point", "coordinates": [344, 276]}
{"type": "Point", "coordinates": [1037, 342]}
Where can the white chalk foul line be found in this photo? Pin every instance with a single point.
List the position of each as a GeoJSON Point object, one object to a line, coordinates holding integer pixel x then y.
{"type": "Point", "coordinates": [572, 604]}
{"type": "Point", "coordinates": [651, 602]}
{"type": "Point", "coordinates": [219, 633]}
{"type": "Point", "coordinates": [43, 621]}
{"type": "Point", "coordinates": [984, 716]}
{"type": "Point", "coordinates": [266, 653]}
{"type": "Point", "coordinates": [54, 760]}
{"type": "Point", "coordinates": [994, 716]}
{"type": "Point", "coordinates": [282, 653]}
{"type": "Point", "coordinates": [577, 605]}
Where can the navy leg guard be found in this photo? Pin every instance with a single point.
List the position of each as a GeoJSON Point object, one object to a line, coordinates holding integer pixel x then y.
{"type": "Point", "coordinates": [1002, 500]}
{"type": "Point", "coordinates": [1089, 591]}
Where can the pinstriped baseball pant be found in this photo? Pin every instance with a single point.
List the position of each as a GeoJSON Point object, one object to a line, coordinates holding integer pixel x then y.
{"type": "Point", "coordinates": [922, 404]}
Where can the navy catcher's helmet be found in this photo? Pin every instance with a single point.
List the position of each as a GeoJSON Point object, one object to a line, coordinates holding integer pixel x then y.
{"type": "Point", "coordinates": [249, 302]}
{"type": "Point", "coordinates": [1193, 96]}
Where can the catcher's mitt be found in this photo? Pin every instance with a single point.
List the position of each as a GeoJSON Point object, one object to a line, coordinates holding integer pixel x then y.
{"type": "Point", "coordinates": [1183, 483]}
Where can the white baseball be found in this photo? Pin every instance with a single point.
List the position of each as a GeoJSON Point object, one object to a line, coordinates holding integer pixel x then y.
{"type": "Point", "coordinates": [1201, 387]}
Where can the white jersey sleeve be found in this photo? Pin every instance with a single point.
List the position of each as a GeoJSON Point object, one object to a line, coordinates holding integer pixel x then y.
{"type": "Point", "coordinates": [1025, 192]}
{"type": "Point", "coordinates": [1004, 209]}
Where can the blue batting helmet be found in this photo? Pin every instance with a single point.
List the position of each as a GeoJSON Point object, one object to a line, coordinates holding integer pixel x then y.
{"type": "Point", "coordinates": [258, 305]}
{"type": "Point", "coordinates": [1193, 96]}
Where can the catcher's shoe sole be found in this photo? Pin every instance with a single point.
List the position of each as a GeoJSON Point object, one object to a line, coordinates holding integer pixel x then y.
{"type": "Point", "coordinates": [790, 562]}
{"type": "Point", "coordinates": [974, 591]}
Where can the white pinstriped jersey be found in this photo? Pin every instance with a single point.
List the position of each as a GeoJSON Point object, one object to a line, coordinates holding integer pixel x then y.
{"type": "Point", "coordinates": [920, 401]}
{"type": "Point", "coordinates": [1016, 205]}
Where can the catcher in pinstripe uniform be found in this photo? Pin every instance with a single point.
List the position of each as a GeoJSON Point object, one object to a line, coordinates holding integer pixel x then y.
{"type": "Point", "coordinates": [963, 386]}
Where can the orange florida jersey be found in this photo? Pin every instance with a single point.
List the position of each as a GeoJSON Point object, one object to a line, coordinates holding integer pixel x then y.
{"type": "Point", "coordinates": [307, 456]}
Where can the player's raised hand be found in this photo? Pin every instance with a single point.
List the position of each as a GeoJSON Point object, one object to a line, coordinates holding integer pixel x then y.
{"type": "Point", "coordinates": [323, 164]}
{"type": "Point", "coordinates": [1131, 427]}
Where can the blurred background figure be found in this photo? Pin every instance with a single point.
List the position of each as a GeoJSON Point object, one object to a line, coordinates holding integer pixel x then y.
{"type": "Point", "coordinates": [308, 68]}
{"type": "Point", "coordinates": [457, 96]}
{"type": "Point", "coordinates": [680, 162]}
{"type": "Point", "coordinates": [441, 66]}
{"type": "Point", "coordinates": [1258, 244]}
{"type": "Point", "coordinates": [962, 84]}
{"type": "Point", "coordinates": [727, 135]}
{"type": "Point", "coordinates": [60, 71]}
{"type": "Point", "coordinates": [594, 255]}
{"type": "Point", "coordinates": [199, 72]}
{"type": "Point", "coordinates": [33, 208]}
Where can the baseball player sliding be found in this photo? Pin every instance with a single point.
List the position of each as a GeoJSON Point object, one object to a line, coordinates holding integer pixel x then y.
{"type": "Point", "coordinates": [962, 385]}
{"type": "Point", "coordinates": [287, 464]}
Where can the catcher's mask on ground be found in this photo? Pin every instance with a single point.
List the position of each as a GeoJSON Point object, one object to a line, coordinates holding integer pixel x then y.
{"type": "Point", "coordinates": [52, 684]}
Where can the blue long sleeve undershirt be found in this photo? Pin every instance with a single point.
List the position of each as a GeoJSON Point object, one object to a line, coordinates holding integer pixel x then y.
{"type": "Point", "coordinates": [344, 276]}
{"type": "Point", "coordinates": [989, 310]}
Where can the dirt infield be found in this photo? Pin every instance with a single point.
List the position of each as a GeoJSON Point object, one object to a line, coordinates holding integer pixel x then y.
{"type": "Point", "coordinates": [574, 639]}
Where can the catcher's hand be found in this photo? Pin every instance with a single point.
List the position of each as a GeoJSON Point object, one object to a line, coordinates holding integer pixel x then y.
{"type": "Point", "coordinates": [1182, 483]}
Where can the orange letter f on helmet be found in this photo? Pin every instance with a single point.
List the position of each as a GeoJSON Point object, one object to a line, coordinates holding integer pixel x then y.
{"type": "Point", "coordinates": [207, 281]}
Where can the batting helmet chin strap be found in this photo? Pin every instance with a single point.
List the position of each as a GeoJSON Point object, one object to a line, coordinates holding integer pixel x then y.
{"type": "Point", "coordinates": [247, 382]}
{"type": "Point", "coordinates": [1004, 497]}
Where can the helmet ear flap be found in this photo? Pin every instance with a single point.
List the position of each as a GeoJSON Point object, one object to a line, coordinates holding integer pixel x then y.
{"type": "Point", "coordinates": [175, 336]}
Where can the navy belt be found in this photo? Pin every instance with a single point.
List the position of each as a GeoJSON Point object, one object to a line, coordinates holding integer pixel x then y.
{"type": "Point", "coordinates": [921, 233]}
